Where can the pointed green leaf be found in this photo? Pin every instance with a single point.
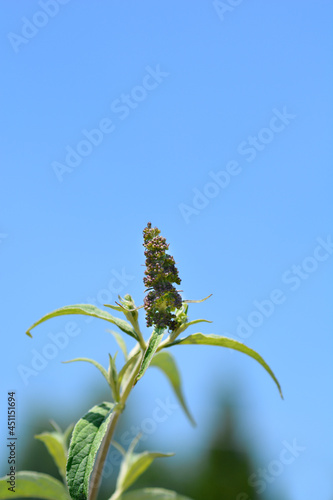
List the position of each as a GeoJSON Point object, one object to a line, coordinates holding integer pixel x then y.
{"type": "Point", "coordinates": [134, 351]}
{"type": "Point", "coordinates": [113, 377]}
{"type": "Point", "coordinates": [185, 325]}
{"type": "Point", "coordinates": [87, 310]}
{"type": "Point", "coordinates": [86, 439]}
{"type": "Point", "coordinates": [197, 301]}
{"type": "Point", "coordinates": [128, 308]}
{"type": "Point", "coordinates": [125, 372]}
{"type": "Point", "coordinates": [93, 362]}
{"type": "Point", "coordinates": [133, 465]}
{"type": "Point", "coordinates": [121, 342]}
{"type": "Point", "coordinates": [193, 322]}
{"type": "Point", "coordinates": [153, 344]}
{"type": "Point", "coordinates": [115, 308]}
{"type": "Point", "coordinates": [55, 426]}
{"type": "Point", "coordinates": [56, 446]}
{"type": "Point", "coordinates": [211, 339]}
{"type": "Point", "coordinates": [183, 322]}
{"type": "Point", "coordinates": [166, 362]}
{"type": "Point", "coordinates": [152, 494]}
{"type": "Point", "coordinates": [67, 435]}
{"type": "Point", "coordinates": [34, 485]}
{"type": "Point", "coordinates": [127, 366]}
{"type": "Point", "coordinates": [119, 447]}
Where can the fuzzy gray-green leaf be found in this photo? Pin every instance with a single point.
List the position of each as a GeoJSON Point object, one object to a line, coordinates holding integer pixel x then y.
{"type": "Point", "coordinates": [153, 344]}
{"type": "Point", "coordinates": [86, 440]}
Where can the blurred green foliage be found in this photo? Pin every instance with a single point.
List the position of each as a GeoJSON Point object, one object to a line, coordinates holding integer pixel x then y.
{"type": "Point", "coordinates": [221, 472]}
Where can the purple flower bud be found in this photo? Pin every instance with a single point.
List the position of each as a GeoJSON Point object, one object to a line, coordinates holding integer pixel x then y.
{"type": "Point", "coordinates": [162, 299]}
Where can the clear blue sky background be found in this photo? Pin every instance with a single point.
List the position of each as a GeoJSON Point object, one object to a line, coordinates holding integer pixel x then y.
{"type": "Point", "coordinates": [222, 78]}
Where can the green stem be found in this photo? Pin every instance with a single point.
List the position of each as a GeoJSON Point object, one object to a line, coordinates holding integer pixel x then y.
{"type": "Point", "coordinates": [140, 336]}
{"type": "Point", "coordinates": [163, 344]}
{"type": "Point", "coordinates": [98, 469]}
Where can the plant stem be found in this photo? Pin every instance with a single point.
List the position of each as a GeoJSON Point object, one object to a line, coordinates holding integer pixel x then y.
{"type": "Point", "coordinates": [140, 336]}
{"type": "Point", "coordinates": [163, 344]}
{"type": "Point", "coordinates": [119, 408]}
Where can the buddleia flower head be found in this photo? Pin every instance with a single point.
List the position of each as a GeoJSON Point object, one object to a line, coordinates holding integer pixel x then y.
{"type": "Point", "coordinates": [160, 274]}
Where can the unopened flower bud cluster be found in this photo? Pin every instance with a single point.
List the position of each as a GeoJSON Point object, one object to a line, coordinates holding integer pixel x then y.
{"type": "Point", "coordinates": [162, 298]}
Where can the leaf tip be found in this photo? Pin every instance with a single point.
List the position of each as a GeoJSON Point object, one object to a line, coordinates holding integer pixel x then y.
{"type": "Point", "coordinates": [28, 333]}
{"type": "Point", "coordinates": [193, 422]}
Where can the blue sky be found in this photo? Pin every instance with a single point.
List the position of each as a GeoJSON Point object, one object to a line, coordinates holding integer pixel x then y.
{"type": "Point", "coordinates": [213, 121]}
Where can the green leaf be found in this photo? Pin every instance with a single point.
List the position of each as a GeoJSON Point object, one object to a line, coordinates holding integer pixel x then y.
{"type": "Point", "coordinates": [185, 325]}
{"type": "Point", "coordinates": [113, 378]}
{"type": "Point", "coordinates": [128, 308]}
{"type": "Point", "coordinates": [193, 322]}
{"type": "Point", "coordinates": [134, 351]}
{"type": "Point", "coordinates": [93, 362]}
{"type": "Point", "coordinates": [86, 440]}
{"type": "Point", "coordinates": [182, 319]}
{"type": "Point", "coordinates": [121, 342]}
{"type": "Point", "coordinates": [166, 362]}
{"type": "Point", "coordinates": [115, 308]}
{"type": "Point", "coordinates": [34, 485]}
{"type": "Point", "coordinates": [55, 426]}
{"type": "Point", "coordinates": [152, 494]}
{"type": "Point", "coordinates": [55, 444]}
{"type": "Point", "coordinates": [153, 344]}
{"type": "Point", "coordinates": [133, 465]}
{"type": "Point", "coordinates": [67, 435]}
{"type": "Point", "coordinates": [125, 372]}
{"type": "Point", "coordinates": [87, 310]}
{"type": "Point", "coordinates": [197, 301]}
{"type": "Point", "coordinates": [119, 447]}
{"type": "Point", "coordinates": [211, 339]}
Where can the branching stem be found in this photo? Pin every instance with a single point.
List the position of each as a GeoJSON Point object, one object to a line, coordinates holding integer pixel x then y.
{"type": "Point", "coordinates": [119, 408]}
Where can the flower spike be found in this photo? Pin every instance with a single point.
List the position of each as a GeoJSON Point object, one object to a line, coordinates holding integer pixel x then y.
{"type": "Point", "coordinates": [161, 272]}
